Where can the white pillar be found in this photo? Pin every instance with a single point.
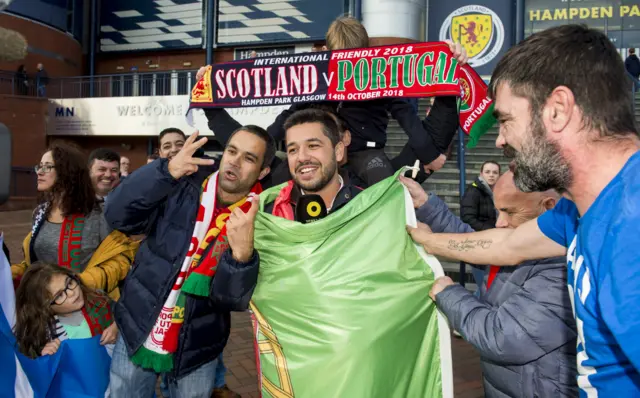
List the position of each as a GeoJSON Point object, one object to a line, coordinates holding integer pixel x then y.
{"type": "Point", "coordinates": [395, 18]}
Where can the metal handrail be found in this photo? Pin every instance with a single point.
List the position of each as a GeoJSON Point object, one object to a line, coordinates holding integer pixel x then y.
{"type": "Point", "coordinates": [112, 85]}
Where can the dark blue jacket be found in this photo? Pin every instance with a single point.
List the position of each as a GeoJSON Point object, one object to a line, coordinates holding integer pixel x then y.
{"type": "Point", "coordinates": [150, 201]}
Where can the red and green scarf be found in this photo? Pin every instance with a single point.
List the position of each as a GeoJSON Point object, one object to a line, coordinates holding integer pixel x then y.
{"type": "Point", "coordinates": [410, 70]}
{"type": "Point", "coordinates": [196, 274]}
{"type": "Point", "coordinates": [70, 243]}
{"type": "Point", "coordinates": [98, 315]}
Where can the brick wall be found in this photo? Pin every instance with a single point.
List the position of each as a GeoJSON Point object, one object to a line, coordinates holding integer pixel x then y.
{"type": "Point", "coordinates": [25, 118]}
{"type": "Point", "coordinates": [69, 59]}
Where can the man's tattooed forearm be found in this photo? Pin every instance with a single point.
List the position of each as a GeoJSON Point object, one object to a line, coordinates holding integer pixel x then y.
{"type": "Point", "coordinates": [469, 244]}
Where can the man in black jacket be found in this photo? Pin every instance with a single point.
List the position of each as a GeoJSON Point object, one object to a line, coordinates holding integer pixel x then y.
{"type": "Point", "coordinates": [163, 200]}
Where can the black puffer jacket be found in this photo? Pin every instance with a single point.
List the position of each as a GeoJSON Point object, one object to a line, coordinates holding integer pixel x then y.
{"type": "Point", "coordinates": [150, 201]}
{"type": "Point", "coordinates": [477, 208]}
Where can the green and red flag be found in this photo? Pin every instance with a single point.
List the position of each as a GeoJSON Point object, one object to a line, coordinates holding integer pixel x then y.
{"type": "Point", "coordinates": [399, 71]}
{"type": "Point", "coordinates": [342, 306]}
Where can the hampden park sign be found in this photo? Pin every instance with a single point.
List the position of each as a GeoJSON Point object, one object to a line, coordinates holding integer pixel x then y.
{"type": "Point", "coordinates": [576, 13]}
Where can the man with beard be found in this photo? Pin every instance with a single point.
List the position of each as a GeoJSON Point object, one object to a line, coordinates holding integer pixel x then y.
{"type": "Point", "coordinates": [314, 150]}
{"type": "Point", "coordinates": [573, 132]}
{"type": "Point", "coordinates": [170, 142]}
{"type": "Point", "coordinates": [197, 220]}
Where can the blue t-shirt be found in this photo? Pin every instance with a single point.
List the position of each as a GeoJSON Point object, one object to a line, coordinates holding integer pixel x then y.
{"type": "Point", "coordinates": [603, 275]}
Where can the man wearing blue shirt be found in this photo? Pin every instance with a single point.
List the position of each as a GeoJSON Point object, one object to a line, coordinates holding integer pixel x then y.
{"type": "Point", "coordinates": [564, 109]}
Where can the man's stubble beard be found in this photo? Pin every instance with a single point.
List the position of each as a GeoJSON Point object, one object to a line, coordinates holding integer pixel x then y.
{"type": "Point", "coordinates": [539, 165]}
{"type": "Point", "coordinates": [326, 177]}
{"type": "Point", "coordinates": [237, 187]}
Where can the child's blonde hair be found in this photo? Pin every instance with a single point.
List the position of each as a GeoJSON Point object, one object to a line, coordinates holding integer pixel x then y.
{"type": "Point", "coordinates": [346, 32]}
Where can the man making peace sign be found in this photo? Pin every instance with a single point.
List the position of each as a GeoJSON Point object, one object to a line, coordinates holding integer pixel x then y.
{"type": "Point", "coordinates": [196, 264]}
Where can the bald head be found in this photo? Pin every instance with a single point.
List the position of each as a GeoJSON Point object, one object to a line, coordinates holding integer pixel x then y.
{"type": "Point", "coordinates": [516, 207]}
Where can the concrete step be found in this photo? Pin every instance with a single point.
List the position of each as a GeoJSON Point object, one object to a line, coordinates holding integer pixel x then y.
{"type": "Point", "coordinates": [437, 185]}
{"type": "Point", "coordinates": [479, 158]}
{"type": "Point", "coordinates": [475, 164]}
{"type": "Point", "coordinates": [454, 173]}
{"type": "Point", "coordinates": [490, 151]}
{"type": "Point", "coordinates": [400, 140]}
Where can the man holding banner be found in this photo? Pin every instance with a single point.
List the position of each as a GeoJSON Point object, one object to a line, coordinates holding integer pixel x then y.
{"type": "Point", "coordinates": [349, 77]}
{"type": "Point", "coordinates": [368, 120]}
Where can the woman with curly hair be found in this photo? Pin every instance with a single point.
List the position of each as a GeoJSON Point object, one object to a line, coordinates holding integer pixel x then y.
{"type": "Point", "coordinates": [53, 305]}
{"type": "Point", "coordinates": [68, 226]}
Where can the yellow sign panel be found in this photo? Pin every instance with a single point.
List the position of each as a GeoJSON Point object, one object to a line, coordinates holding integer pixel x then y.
{"type": "Point", "coordinates": [567, 14]}
{"type": "Point", "coordinates": [473, 31]}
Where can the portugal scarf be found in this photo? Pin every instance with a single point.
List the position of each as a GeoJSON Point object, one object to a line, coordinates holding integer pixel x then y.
{"type": "Point", "coordinates": [399, 71]}
{"type": "Point", "coordinates": [195, 277]}
{"type": "Point", "coordinates": [97, 312]}
{"type": "Point", "coordinates": [70, 242]}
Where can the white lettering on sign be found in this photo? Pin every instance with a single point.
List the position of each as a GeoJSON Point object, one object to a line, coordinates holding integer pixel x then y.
{"type": "Point", "coordinates": [151, 110]}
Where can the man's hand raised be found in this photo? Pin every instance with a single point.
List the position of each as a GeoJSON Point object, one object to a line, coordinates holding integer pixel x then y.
{"type": "Point", "coordinates": [201, 73]}
{"type": "Point", "coordinates": [184, 164]}
{"type": "Point", "coordinates": [459, 52]}
{"type": "Point", "coordinates": [240, 231]}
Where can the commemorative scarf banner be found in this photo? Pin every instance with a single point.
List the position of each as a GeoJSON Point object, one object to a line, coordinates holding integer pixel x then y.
{"type": "Point", "coordinates": [400, 71]}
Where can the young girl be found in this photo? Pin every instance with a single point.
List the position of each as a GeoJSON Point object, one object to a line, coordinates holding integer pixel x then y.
{"type": "Point", "coordinates": [53, 305]}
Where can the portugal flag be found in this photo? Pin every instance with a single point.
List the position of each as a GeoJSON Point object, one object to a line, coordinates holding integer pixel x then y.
{"type": "Point", "coordinates": [342, 305]}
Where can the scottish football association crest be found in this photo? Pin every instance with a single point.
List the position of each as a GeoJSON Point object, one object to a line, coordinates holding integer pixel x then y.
{"type": "Point", "coordinates": [478, 29]}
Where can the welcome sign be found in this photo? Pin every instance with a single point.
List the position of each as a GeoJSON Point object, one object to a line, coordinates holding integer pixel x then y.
{"type": "Point", "coordinates": [405, 71]}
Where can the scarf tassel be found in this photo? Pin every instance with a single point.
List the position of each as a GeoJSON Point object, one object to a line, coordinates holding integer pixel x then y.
{"type": "Point", "coordinates": [148, 359]}
{"type": "Point", "coordinates": [197, 284]}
